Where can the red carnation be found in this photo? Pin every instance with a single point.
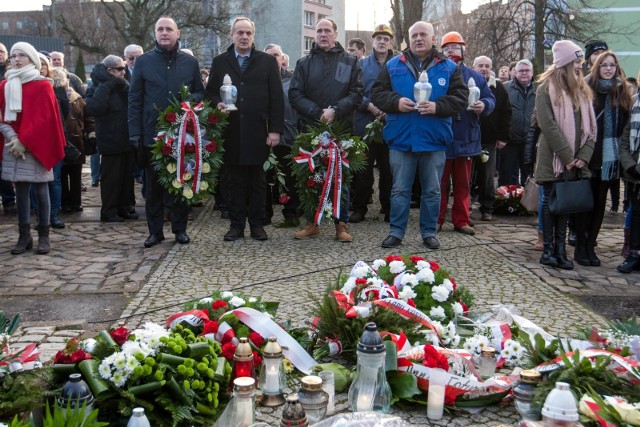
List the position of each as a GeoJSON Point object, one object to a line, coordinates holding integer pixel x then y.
{"type": "Point", "coordinates": [228, 350]}
{"type": "Point", "coordinates": [453, 282]}
{"type": "Point", "coordinates": [167, 149]}
{"type": "Point", "coordinates": [415, 259]}
{"type": "Point", "coordinates": [120, 335]}
{"type": "Point", "coordinates": [212, 119]}
{"type": "Point", "coordinates": [211, 147]}
{"type": "Point", "coordinates": [433, 359]}
{"type": "Point", "coordinates": [361, 281]}
{"type": "Point", "coordinates": [217, 305]}
{"type": "Point", "coordinates": [465, 308]}
{"type": "Point", "coordinates": [256, 339]}
{"type": "Point", "coordinates": [257, 360]}
{"type": "Point", "coordinates": [311, 183]}
{"type": "Point", "coordinates": [190, 148]}
{"type": "Point", "coordinates": [79, 355]}
{"type": "Point", "coordinates": [284, 199]}
{"type": "Point", "coordinates": [210, 327]}
{"type": "Point", "coordinates": [434, 266]}
{"type": "Point", "coordinates": [171, 117]}
{"type": "Point", "coordinates": [392, 258]}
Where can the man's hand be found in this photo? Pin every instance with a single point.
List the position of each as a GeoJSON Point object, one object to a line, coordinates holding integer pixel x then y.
{"type": "Point", "coordinates": [16, 148]}
{"type": "Point", "coordinates": [478, 107]}
{"type": "Point", "coordinates": [375, 110]}
{"type": "Point", "coordinates": [427, 107]}
{"type": "Point", "coordinates": [273, 139]}
{"type": "Point", "coordinates": [405, 105]}
{"type": "Point", "coordinates": [222, 107]}
{"type": "Point", "coordinates": [500, 144]}
{"type": "Point", "coordinates": [328, 115]}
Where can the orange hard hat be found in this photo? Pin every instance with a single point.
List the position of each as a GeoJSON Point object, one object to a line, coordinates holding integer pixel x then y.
{"type": "Point", "coordinates": [452, 37]}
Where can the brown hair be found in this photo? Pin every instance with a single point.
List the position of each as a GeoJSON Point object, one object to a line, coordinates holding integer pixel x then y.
{"type": "Point", "coordinates": [564, 80]}
{"type": "Point", "coordinates": [618, 93]}
{"type": "Point", "coordinates": [358, 42]}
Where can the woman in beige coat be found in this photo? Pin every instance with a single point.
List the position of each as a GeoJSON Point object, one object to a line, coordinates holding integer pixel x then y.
{"type": "Point", "coordinates": [568, 130]}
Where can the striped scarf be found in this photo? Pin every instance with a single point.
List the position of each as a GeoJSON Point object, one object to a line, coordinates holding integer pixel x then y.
{"type": "Point", "coordinates": [634, 125]}
{"type": "Point", "coordinates": [610, 138]}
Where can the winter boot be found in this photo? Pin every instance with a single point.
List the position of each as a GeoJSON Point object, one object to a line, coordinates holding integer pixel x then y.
{"type": "Point", "coordinates": [43, 240]}
{"type": "Point", "coordinates": [626, 246]}
{"type": "Point", "coordinates": [309, 230]}
{"type": "Point", "coordinates": [342, 232]}
{"type": "Point", "coordinates": [560, 236]}
{"type": "Point", "coordinates": [631, 264]}
{"type": "Point", "coordinates": [539, 245]}
{"type": "Point", "coordinates": [25, 241]}
{"type": "Point", "coordinates": [548, 256]}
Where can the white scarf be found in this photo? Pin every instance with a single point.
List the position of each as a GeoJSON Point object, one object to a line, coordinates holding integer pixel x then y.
{"type": "Point", "coordinates": [16, 77]}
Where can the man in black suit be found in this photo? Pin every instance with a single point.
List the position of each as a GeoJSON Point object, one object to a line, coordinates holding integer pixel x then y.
{"type": "Point", "coordinates": [252, 130]}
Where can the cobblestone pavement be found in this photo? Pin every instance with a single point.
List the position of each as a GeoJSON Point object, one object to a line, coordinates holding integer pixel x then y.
{"type": "Point", "coordinates": [100, 261]}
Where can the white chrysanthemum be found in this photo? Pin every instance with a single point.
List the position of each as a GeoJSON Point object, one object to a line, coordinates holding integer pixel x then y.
{"type": "Point", "coordinates": [87, 345]}
{"type": "Point", "coordinates": [110, 358]}
{"type": "Point", "coordinates": [132, 362]}
{"type": "Point", "coordinates": [438, 327]}
{"type": "Point", "coordinates": [437, 313]}
{"type": "Point", "coordinates": [397, 267]}
{"type": "Point", "coordinates": [119, 379]}
{"type": "Point", "coordinates": [348, 286]}
{"type": "Point", "coordinates": [440, 293]}
{"type": "Point", "coordinates": [105, 370]}
{"type": "Point", "coordinates": [422, 264]}
{"type": "Point", "coordinates": [253, 299]}
{"type": "Point", "coordinates": [426, 275]}
{"type": "Point", "coordinates": [120, 361]}
{"type": "Point", "coordinates": [237, 302]}
{"type": "Point", "coordinates": [132, 348]}
{"type": "Point", "coordinates": [451, 329]}
{"type": "Point", "coordinates": [447, 284]}
{"type": "Point", "coordinates": [407, 293]}
{"type": "Point", "coordinates": [458, 310]}
{"type": "Point", "coordinates": [226, 295]}
{"type": "Point", "coordinates": [362, 271]}
{"type": "Point", "coordinates": [379, 263]}
{"type": "Point", "coordinates": [206, 301]}
{"type": "Point", "coordinates": [475, 343]}
{"type": "Point", "coordinates": [409, 279]}
{"type": "Point", "coordinates": [455, 341]}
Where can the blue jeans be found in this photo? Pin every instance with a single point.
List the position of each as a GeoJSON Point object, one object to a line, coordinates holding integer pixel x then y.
{"type": "Point", "coordinates": [404, 165]}
{"type": "Point", "coordinates": [95, 168]}
{"type": "Point", "coordinates": [540, 208]}
{"type": "Point", "coordinates": [55, 190]}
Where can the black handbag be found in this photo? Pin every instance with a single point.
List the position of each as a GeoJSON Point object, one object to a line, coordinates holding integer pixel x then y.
{"type": "Point", "coordinates": [71, 153]}
{"type": "Point", "coordinates": [569, 197]}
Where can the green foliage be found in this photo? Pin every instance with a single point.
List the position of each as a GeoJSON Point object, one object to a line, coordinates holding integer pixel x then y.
{"type": "Point", "coordinates": [20, 392]}
{"type": "Point", "coordinates": [66, 417]}
{"type": "Point", "coordinates": [80, 70]}
{"type": "Point", "coordinates": [272, 164]}
{"type": "Point", "coordinates": [539, 352]}
{"type": "Point", "coordinates": [630, 326]}
{"type": "Point", "coordinates": [373, 134]}
{"type": "Point", "coordinates": [403, 385]}
{"type": "Point", "coordinates": [9, 326]}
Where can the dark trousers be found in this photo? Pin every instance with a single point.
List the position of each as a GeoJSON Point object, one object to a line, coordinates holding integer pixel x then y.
{"type": "Point", "coordinates": [587, 224]}
{"type": "Point", "coordinates": [362, 185]}
{"type": "Point", "coordinates": [485, 179]}
{"type": "Point", "coordinates": [290, 210]}
{"type": "Point", "coordinates": [247, 186]}
{"type": "Point", "coordinates": [510, 170]}
{"type": "Point", "coordinates": [6, 191]}
{"type": "Point", "coordinates": [634, 204]}
{"type": "Point", "coordinates": [157, 198]}
{"type": "Point", "coordinates": [116, 183]}
{"type": "Point", "coordinates": [71, 176]}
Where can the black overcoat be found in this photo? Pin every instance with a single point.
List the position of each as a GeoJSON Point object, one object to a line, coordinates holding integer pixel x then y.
{"type": "Point", "coordinates": [260, 105]}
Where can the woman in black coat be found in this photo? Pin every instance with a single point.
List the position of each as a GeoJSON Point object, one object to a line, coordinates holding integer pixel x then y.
{"type": "Point", "coordinates": [107, 102]}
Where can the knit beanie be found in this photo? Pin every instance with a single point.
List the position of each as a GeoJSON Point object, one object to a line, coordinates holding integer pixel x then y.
{"type": "Point", "coordinates": [593, 46]}
{"type": "Point", "coordinates": [44, 58]}
{"type": "Point", "coordinates": [29, 50]}
{"type": "Point", "coordinates": [565, 52]}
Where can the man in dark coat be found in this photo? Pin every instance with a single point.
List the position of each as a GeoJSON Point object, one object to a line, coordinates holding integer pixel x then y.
{"type": "Point", "coordinates": [157, 79]}
{"type": "Point", "coordinates": [252, 130]}
{"type": "Point", "coordinates": [326, 86]}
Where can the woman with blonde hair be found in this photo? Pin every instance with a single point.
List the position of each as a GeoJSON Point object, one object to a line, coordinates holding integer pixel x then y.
{"type": "Point", "coordinates": [33, 139]}
{"type": "Point", "coordinates": [568, 131]}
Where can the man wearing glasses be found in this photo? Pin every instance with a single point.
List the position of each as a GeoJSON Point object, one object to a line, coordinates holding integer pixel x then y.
{"type": "Point", "coordinates": [366, 113]}
{"type": "Point", "coordinates": [522, 93]}
{"type": "Point", "coordinates": [131, 52]}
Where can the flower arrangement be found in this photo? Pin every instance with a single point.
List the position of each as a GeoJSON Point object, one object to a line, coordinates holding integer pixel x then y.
{"type": "Point", "coordinates": [324, 160]}
{"type": "Point", "coordinates": [508, 200]}
{"type": "Point", "coordinates": [187, 152]}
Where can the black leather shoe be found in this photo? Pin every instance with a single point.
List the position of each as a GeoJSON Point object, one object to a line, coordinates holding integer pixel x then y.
{"type": "Point", "coordinates": [258, 233]}
{"type": "Point", "coordinates": [153, 239]}
{"type": "Point", "coordinates": [391, 242]}
{"type": "Point", "coordinates": [356, 217]}
{"type": "Point", "coordinates": [182, 238]}
{"type": "Point", "coordinates": [129, 215]}
{"type": "Point", "coordinates": [112, 219]}
{"type": "Point", "coordinates": [431, 242]}
{"type": "Point", "coordinates": [56, 223]}
{"type": "Point", "coordinates": [233, 234]}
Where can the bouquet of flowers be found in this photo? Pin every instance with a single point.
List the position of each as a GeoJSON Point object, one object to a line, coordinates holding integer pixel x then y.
{"type": "Point", "coordinates": [324, 159]}
{"type": "Point", "coordinates": [187, 152]}
{"type": "Point", "coordinates": [508, 200]}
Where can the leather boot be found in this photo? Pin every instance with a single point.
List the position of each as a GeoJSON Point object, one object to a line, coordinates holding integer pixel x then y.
{"type": "Point", "coordinates": [548, 256]}
{"type": "Point", "coordinates": [43, 240]}
{"type": "Point", "coordinates": [309, 230]}
{"type": "Point", "coordinates": [25, 241]}
{"type": "Point", "coordinates": [560, 236]}
{"type": "Point", "coordinates": [539, 245]}
{"type": "Point", "coordinates": [630, 264]}
{"type": "Point", "coordinates": [626, 246]}
{"type": "Point", "coordinates": [580, 254]}
{"type": "Point", "coordinates": [342, 232]}
{"type": "Point", "coordinates": [591, 253]}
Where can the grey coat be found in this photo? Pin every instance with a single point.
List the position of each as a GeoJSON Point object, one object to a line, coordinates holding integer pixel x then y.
{"type": "Point", "coordinates": [19, 170]}
{"type": "Point", "coordinates": [628, 159]}
{"type": "Point", "coordinates": [553, 141]}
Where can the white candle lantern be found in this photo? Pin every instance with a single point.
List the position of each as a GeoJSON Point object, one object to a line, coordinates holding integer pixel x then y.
{"type": "Point", "coordinates": [228, 93]}
{"type": "Point", "coordinates": [435, 398]}
{"type": "Point", "coordinates": [272, 379]}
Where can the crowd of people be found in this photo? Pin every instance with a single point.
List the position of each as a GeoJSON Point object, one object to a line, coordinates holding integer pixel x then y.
{"type": "Point", "coordinates": [579, 119]}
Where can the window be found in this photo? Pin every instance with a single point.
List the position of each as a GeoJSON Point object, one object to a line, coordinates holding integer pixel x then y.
{"type": "Point", "coordinates": [309, 18]}
{"type": "Point", "coordinates": [308, 43]}
{"type": "Point", "coordinates": [19, 25]}
{"type": "Point", "coordinates": [5, 25]}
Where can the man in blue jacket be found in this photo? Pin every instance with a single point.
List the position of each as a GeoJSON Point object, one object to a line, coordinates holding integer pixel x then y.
{"type": "Point", "coordinates": [157, 79]}
{"type": "Point", "coordinates": [466, 139]}
{"type": "Point", "coordinates": [418, 135]}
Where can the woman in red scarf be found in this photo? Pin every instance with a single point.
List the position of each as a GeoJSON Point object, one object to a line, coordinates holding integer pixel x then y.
{"type": "Point", "coordinates": [33, 139]}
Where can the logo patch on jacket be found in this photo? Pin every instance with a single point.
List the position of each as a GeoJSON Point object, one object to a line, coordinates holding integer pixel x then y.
{"type": "Point", "coordinates": [442, 81]}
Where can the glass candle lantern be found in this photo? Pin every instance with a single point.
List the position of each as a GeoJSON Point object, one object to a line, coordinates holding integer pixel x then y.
{"type": "Point", "coordinates": [228, 93]}
{"type": "Point", "coordinates": [487, 362]}
{"type": "Point", "coordinates": [370, 390]}
{"type": "Point", "coordinates": [76, 394]}
{"type": "Point", "coordinates": [243, 361]}
{"type": "Point", "coordinates": [313, 399]}
{"type": "Point", "coordinates": [523, 394]}
{"type": "Point", "coordinates": [328, 385]}
{"type": "Point", "coordinates": [138, 419]}
{"type": "Point", "coordinates": [422, 89]}
{"type": "Point", "coordinates": [293, 413]}
{"type": "Point", "coordinates": [272, 376]}
{"type": "Point", "coordinates": [560, 408]}
{"type": "Point", "coordinates": [474, 93]}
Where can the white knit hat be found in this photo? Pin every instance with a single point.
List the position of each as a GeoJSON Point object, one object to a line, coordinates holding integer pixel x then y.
{"type": "Point", "coordinates": [29, 50]}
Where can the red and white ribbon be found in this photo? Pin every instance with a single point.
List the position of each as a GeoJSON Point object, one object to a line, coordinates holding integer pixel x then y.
{"type": "Point", "coordinates": [626, 364]}
{"type": "Point", "coordinates": [307, 157]}
{"type": "Point", "coordinates": [190, 116]}
{"type": "Point", "coordinates": [404, 309]}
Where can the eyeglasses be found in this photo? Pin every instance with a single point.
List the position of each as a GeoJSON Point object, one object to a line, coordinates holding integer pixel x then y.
{"type": "Point", "coordinates": [451, 47]}
{"type": "Point", "coordinates": [131, 58]}
{"type": "Point", "coordinates": [117, 68]}
{"type": "Point", "coordinates": [524, 71]}
{"type": "Point", "coordinates": [614, 66]}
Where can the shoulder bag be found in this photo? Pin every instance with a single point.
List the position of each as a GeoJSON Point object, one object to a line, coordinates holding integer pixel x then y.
{"type": "Point", "coordinates": [569, 197]}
